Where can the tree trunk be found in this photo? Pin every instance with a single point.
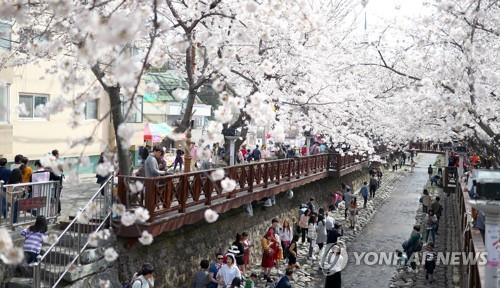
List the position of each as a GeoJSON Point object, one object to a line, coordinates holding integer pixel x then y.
{"type": "Point", "coordinates": [124, 164]}
{"type": "Point", "coordinates": [115, 104]}
{"type": "Point", "coordinates": [186, 118]}
{"type": "Point", "coordinates": [192, 91]}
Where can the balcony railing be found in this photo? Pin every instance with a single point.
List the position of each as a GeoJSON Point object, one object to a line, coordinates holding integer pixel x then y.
{"type": "Point", "coordinates": [472, 241]}
{"type": "Point", "coordinates": [21, 203]}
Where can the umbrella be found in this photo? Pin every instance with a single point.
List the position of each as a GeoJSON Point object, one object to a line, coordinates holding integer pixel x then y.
{"type": "Point", "coordinates": [156, 132]}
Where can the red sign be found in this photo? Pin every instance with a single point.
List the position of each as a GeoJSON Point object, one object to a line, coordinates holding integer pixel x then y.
{"type": "Point", "coordinates": [32, 203]}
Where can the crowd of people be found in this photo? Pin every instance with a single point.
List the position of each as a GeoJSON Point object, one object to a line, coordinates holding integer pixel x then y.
{"type": "Point", "coordinates": [231, 269]}
{"type": "Point", "coordinates": [21, 172]}
{"type": "Point", "coordinates": [419, 238]}
{"type": "Point", "coordinates": [216, 154]}
{"type": "Point", "coordinates": [400, 158]}
{"type": "Point", "coordinates": [314, 228]}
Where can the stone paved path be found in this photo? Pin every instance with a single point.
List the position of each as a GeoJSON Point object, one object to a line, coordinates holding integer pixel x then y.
{"type": "Point", "coordinates": [310, 276]}
{"type": "Point", "coordinates": [390, 227]}
{"type": "Point", "coordinates": [76, 195]}
{"type": "Point", "coordinates": [388, 220]}
{"type": "Point", "coordinates": [446, 241]}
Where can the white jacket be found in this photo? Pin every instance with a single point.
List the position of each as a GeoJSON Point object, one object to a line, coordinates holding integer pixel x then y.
{"type": "Point", "coordinates": [286, 235]}
{"type": "Point", "coordinates": [311, 231]}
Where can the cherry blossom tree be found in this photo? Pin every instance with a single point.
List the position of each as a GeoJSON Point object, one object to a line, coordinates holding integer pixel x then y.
{"type": "Point", "coordinates": [446, 61]}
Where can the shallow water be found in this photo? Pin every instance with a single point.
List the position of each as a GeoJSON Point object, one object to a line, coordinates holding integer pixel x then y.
{"type": "Point", "coordinates": [390, 227]}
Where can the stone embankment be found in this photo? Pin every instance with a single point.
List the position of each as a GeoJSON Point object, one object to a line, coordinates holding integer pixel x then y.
{"type": "Point", "coordinates": [177, 255]}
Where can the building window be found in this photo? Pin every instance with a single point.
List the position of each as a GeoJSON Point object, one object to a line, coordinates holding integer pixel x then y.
{"type": "Point", "coordinates": [91, 109]}
{"type": "Point", "coordinates": [4, 103]}
{"type": "Point", "coordinates": [136, 111]}
{"type": "Point", "coordinates": [31, 105]}
{"type": "Point", "coordinates": [5, 35]}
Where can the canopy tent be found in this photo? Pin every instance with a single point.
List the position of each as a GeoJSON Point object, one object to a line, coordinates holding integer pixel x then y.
{"type": "Point", "coordinates": [156, 132]}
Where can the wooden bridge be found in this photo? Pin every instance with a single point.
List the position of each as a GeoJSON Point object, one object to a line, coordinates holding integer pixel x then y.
{"type": "Point", "coordinates": [181, 199]}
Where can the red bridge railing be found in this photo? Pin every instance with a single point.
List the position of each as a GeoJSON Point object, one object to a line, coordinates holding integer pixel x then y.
{"type": "Point", "coordinates": [186, 194]}
{"type": "Point", "coordinates": [347, 161]}
{"type": "Point", "coordinates": [180, 191]}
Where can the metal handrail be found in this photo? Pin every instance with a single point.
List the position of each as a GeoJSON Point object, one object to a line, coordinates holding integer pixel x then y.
{"type": "Point", "coordinates": [36, 267]}
{"type": "Point", "coordinates": [11, 193]}
{"type": "Point", "coordinates": [28, 183]}
{"type": "Point", "coordinates": [472, 240]}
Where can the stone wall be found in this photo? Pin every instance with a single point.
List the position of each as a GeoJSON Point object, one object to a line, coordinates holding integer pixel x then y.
{"type": "Point", "coordinates": [176, 255]}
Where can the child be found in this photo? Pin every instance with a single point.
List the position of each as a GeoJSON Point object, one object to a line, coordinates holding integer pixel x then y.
{"type": "Point", "coordinates": [336, 199]}
{"type": "Point", "coordinates": [250, 282]}
{"type": "Point", "coordinates": [402, 259]}
{"type": "Point", "coordinates": [430, 262]}
{"type": "Point", "coordinates": [246, 248]}
{"type": "Point", "coordinates": [33, 239]}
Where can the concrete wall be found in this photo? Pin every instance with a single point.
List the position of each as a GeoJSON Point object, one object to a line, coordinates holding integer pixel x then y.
{"type": "Point", "coordinates": [176, 255]}
{"type": "Point", "coordinates": [34, 138]}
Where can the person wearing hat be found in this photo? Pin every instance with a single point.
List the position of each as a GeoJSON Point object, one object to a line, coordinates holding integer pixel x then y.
{"type": "Point", "coordinates": [238, 250]}
{"type": "Point", "coordinates": [228, 272]}
{"type": "Point", "coordinates": [332, 268]}
{"type": "Point", "coordinates": [144, 278]}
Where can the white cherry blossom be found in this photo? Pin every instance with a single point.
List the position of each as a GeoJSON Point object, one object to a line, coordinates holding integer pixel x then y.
{"type": "Point", "coordinates": [211, 216]}
{"type": "Point", "coordinates": [110, 254]}
{"type": "Point", "coordinates": [228, 184]}
{"type": "Point", "coordinates": [146, 238]}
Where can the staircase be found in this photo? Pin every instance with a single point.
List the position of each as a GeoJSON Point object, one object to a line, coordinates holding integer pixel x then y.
{"type": "Point", "coordinates": [72, 257]}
